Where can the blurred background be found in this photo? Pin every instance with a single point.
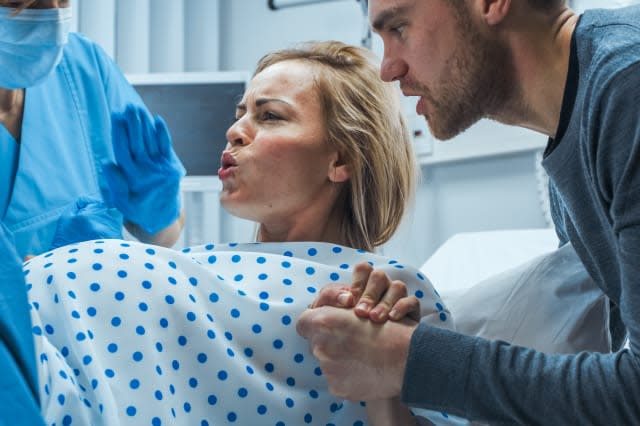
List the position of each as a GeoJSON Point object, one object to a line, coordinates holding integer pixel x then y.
{"type": "Point", "coordinates": [190, 60]}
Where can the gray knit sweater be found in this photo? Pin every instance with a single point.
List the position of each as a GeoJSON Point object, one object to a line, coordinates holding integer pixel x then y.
{"type": "Point", "coordinates": [594, 164]}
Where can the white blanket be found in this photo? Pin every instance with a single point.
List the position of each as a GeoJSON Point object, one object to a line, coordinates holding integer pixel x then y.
{"type": "Point", "coordinates": [128, 333]}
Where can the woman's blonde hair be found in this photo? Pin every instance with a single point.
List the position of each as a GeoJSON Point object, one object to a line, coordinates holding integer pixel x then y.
{"type": "Point", "coordinates": [364, 123]}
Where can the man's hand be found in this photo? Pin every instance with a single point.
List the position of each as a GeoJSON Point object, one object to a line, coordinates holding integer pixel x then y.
{"type": "Point", "coordinates": [359, 359]}
{"type": "Point", "coordinates": [373, 294]}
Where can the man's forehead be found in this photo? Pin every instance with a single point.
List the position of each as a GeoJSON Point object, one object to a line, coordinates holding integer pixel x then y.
{"type": "Point", "coordinates": [382, 10]}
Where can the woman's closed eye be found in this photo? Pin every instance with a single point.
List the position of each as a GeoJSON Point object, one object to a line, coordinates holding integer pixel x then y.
{"type": "Point", "coordinates": [269, 116]}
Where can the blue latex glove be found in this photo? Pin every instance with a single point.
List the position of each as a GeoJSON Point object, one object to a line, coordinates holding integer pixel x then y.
{"type": "Point", "coordinates": [87, 219]}
{"type": "Point", "coordinates": [145, 181]}
{"type": "Point", "coordinates": [18, 389]}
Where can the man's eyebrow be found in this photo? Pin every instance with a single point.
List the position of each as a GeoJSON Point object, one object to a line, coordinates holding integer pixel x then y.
{"type": "Point", "coordinates": [382, 20]}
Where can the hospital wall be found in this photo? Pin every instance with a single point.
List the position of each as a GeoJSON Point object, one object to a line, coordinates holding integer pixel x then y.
{"type": "Point", "coordinates": [486, 179]}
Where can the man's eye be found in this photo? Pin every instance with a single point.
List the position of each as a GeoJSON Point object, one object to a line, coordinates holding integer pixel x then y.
{"type": "Point", "coordinates": [398, 30]}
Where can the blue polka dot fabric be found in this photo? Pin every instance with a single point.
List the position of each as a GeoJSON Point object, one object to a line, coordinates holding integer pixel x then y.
{"type": "Point", "coordinates": [128, 333]}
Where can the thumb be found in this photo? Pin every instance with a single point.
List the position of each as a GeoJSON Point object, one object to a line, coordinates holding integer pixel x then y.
{"type": "Point", "coordinates": [303, 325]}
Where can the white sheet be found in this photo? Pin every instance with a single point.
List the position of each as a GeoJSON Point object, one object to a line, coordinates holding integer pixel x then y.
{"type": "Point", "coordinates": [468, 258]}
{"type": "Point", "coordinates": [516, 286]}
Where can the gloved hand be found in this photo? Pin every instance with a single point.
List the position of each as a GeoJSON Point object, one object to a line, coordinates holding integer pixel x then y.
{"type": "Point", "coordinates": [145, 181]}
{"type": "Point", "coordinates": [87, 219]}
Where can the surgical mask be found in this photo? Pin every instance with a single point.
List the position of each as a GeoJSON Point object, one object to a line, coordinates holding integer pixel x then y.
{"type": "Point", "coordinates": [31, 44]}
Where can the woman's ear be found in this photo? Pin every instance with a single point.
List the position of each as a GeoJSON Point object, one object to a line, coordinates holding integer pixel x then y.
{"type": "Point", "coordinates": [338, 170]}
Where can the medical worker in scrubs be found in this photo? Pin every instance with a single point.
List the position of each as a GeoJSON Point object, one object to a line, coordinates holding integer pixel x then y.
{"type": "Point", "coordinates": [80, 155]}
{"type": "Point", "coordinates": [19, 404]}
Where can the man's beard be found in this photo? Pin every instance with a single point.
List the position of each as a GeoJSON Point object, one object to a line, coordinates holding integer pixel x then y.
{"type": "Point", "coordinates": [480, 83]}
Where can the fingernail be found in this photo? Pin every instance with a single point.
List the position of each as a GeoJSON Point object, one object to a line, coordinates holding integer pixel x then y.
{"type": "Point", "coordinates": [393, 314]}
{"type": "Point", "coordinates": [363, 306]}
{"type": "Point", "coordinates": [377, 312]}
{"type": "Point", "coordinates": [344, 299]}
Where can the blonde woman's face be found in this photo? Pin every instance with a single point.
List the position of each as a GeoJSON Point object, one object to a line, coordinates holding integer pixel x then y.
{"type": "Point", "coordinates": [276, 164]}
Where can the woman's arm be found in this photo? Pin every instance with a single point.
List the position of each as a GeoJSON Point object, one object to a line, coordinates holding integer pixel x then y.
{"type": "Point", "coordinates": [166, 237]}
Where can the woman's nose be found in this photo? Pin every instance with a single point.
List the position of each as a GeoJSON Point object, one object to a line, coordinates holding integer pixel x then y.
{"type": "Point", "coordinates": [236, 134]}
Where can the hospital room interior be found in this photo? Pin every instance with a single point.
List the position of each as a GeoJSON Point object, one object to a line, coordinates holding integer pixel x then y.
{"type": "Point", "coordinates": [481, 205]}
{"type": "Point", "coordinates": [469, 293]}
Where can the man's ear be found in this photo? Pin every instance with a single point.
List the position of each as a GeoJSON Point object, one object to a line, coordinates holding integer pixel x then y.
{"type": "Point", "coordinates": [493, 12]}
{"type": "Point", "coordinates": [338, 170]}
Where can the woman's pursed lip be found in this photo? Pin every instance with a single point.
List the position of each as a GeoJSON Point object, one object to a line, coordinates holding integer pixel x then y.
{"type": "Point", "coordinates": [227, 160]}
{"type": "Point", "coordinates": [225, 172]}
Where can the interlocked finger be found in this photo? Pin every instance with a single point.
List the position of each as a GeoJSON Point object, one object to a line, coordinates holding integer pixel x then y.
{"type": "Point", "coordinates": [396, 291]}
{"type": "Point", "coordinates": [376, 287]}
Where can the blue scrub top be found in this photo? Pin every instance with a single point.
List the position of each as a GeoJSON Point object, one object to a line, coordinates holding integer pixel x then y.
{"type": "Point", "coordinates": [66, 137]}
{"type": "Point", "coordinates": [18, 378]}
{"type": "Point", "coordinates": [9, 151]}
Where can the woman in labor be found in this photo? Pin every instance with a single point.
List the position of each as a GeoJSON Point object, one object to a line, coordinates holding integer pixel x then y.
{"type": "Point", "coordinates": [129, 333]}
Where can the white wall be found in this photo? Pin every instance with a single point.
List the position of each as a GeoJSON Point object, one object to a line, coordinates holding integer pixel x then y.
{"type": "Point", "coordinates": [145, 36]}
{"type": "Point", "coordinates": [580, 5]}
{"type": "Point", "coordinates": [248, 29]}
{"type": "Point", "coordinates": [481, 194]}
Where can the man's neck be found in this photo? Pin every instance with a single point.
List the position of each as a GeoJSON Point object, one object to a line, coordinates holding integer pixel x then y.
{"type": "Point", "coordinates": [541, 56]}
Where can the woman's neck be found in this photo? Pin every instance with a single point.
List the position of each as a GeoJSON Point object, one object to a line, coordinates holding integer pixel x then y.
{"type": "Point", "coordinates": [324, 228]}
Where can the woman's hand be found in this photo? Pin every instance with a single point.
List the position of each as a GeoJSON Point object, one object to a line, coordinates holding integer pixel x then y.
{"type": "Point", "coordinates": [372, 295]}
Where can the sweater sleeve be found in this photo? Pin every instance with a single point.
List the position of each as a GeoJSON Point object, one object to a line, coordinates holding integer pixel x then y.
{"type": "Point", "coordinates": [503, 384]}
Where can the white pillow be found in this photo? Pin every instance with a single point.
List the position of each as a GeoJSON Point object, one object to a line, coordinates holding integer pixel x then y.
{"type": "Point", "coordinates": [467, 258]}
{"type": "Point", "coordinates": [549, 303]}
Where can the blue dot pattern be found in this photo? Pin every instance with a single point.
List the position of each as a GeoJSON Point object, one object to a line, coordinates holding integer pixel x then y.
{"type": "Point", "coordinates": [128, 333]}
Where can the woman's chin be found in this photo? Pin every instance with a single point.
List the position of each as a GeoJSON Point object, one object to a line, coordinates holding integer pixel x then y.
{"type": "Point", "coordinates": [237, 208]}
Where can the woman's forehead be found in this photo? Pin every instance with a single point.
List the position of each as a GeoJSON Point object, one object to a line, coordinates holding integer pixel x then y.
{"type": "Point", "coordinates": [294, 80]}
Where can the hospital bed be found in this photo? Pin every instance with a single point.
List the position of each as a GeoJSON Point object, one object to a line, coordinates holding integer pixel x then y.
{"type": "Point", "coordinates": [518, 286]}
{"type": "Point", "coordinates": [468, 258]}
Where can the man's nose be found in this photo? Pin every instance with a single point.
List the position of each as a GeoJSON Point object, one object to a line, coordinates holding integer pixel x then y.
{"type": "Point", "coordinates": [392, 68]}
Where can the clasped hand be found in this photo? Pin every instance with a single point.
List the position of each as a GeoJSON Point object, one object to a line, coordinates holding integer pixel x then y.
{"type": "Point", "coordinates": [372, 295]}
{"type": "Point", "coordinates": [362, 356]}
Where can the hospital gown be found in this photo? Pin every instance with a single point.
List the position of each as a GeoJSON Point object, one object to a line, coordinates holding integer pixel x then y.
{"type": "Point", "coordinates": [129, 333]}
